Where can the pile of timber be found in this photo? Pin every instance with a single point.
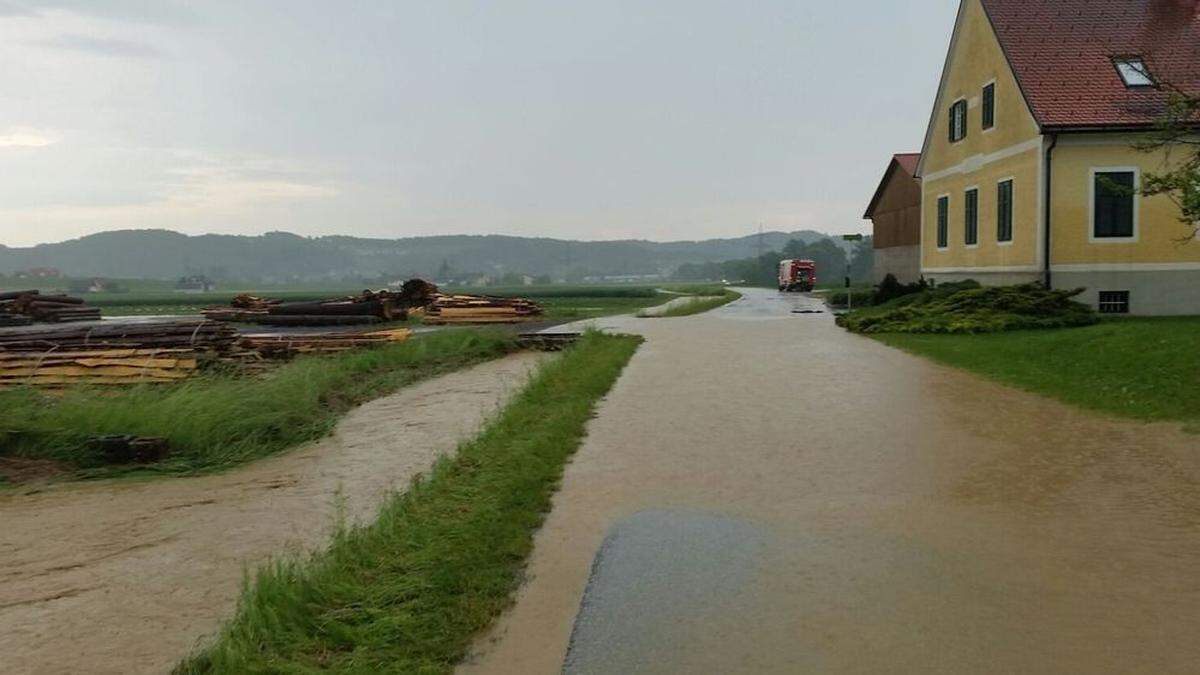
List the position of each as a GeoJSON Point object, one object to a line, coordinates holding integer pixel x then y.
{"type": "Point", "coordinates": [26, 307]}
{"type": "Point", "coordinates": [194, 334]}
{"type": "Point", "coordinates": [95, 366]}
{"type": "Point", "coordinates": [455, 309]}
{"type": "Point", "coordinates": [286, 346]}
{"type": "Point", "coordinates": [116, 353]}
{"type": "Point", "coordinates": [365, 308]}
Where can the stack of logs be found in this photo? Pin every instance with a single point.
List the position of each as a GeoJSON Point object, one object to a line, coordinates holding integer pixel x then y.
{"type": "Point", "coordinates": [365, 308]}
{"type": "Point", "coordinates": [286, 346]}
{"type": "Point", "coordinates": [415, 295]}
{"type": "Point", "coordinates": [454, 309]}
{"type": "Point", "coordinates": [21, 308]}
{"type": "Point", "coordinates": [119, 353]}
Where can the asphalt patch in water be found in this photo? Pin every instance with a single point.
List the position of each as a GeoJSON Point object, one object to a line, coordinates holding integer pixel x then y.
{"type": "Point", "coordinates": [656, 577]}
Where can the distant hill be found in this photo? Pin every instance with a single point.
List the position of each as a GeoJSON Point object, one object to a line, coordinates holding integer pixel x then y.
{"type": "Point", "coordinates": [283, 257]}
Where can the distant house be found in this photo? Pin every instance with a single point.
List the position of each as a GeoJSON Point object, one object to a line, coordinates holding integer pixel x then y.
{"type": "Point", "coordinates": [895, 212]}
{"type": "Point", "coordinates": [196, 283]}
{"type": "Point", "coordinates": [1028, 172]}
{"type": "Point", "coordinates": [39, 273]}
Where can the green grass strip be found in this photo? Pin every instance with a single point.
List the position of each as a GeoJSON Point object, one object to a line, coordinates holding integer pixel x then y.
{"type": "Point", "coordinates": [216, 421]}
{"type": "Point", "coordinates": [697, 305]}
{"type": "Point", "coordinates": [407, 593]}
{"type": "Point", "coordinates": [1147, 369]}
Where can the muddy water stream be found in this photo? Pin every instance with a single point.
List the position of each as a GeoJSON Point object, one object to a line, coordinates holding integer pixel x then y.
{"type": "Point", "coordinates": [889, 515]}
{"type": "Point", "coordinates": [129, 577]}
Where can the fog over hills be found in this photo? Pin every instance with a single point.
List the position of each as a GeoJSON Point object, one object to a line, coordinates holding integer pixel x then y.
{"type": "Point", "coordinates": [281, 256]}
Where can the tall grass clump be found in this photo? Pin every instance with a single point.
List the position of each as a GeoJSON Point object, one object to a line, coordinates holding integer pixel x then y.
{"type": "Point", "coordinates": [218, 420]}
{"type": "Point", "coordinates": [407, 593]}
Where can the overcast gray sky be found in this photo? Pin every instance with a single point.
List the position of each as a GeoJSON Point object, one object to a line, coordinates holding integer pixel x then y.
{"type": "Point", "coordinates": [660, 119]}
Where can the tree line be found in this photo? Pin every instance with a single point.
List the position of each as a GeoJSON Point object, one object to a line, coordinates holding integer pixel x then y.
{"type": "Point", "coordinates": [763, 270]}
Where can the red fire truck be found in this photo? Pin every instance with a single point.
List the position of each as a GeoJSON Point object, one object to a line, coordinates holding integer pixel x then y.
{"type": "Point", "coordinates": [797, 275]}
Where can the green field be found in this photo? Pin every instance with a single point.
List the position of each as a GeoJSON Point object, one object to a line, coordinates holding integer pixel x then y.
{"type": "Point", "coordinates": [214, 421]}
{"type": "Point", "coordinates": [408, 593]}
{"type": "Point", "coordinates": [1147, 369]}
{"type": "Point", "coordinates": [560, 302]}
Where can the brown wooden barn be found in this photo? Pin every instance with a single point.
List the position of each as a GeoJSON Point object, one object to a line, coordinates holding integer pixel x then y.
{"type": "Point", "coordinates": [895, 211]}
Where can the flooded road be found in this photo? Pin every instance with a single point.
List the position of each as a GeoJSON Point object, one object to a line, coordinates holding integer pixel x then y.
{"type": "Point", "coordinates": [128, 577]}
{"type": "Point", "coordinates": [764, 493]}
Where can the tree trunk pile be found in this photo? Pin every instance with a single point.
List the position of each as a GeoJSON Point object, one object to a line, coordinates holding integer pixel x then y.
{"type": "Point", "coordinates": [365, 308]}
{"type": "Point", "coordinates": [26, 307]}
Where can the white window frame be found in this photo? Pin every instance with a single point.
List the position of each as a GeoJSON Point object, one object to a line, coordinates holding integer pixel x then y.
{"type": "Point", "coordinates": [949, 210]}
{"type": "Point", "coordinates": [966, 118]}
{"type": "Point", "coordinates": [1012, 198]}
{"type": "Point", "coordinates": [995, 117]}
{"type": "Point", "coordinates": [1137, 204]}
{"type": "Point", "coordinates": [978, 203]}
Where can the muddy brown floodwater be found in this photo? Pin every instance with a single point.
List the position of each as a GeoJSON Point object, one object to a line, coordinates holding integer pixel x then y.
{"type": "Point", "coordinates": [764, 493]}
{"type": "Point", "coordinates": [122, 577]}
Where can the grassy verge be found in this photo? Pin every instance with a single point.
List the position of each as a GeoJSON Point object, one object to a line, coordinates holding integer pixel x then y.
{"type": "Point", "coordinates": [1146, 369]}
{"type": "Point", "coordinates": [218, 420]}
{"type": "Point", "coordinates": [591, 307]}
{"type": "Point", "coordinates": [698, 304]}
{"type": "Point", "coordinates": [407, 593]}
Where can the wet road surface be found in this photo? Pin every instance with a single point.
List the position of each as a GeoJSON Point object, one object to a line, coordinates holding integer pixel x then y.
{"type": "Point", "coordinates": [764, 493]}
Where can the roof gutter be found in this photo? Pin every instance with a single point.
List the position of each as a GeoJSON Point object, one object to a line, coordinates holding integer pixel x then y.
{"type": "Point", "coordinates": [1049, 193]}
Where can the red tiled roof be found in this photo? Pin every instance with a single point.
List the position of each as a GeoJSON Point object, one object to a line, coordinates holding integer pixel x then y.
{"type": "Point", "coordinates": [1062, 53]}
{"type": "Point", "coordinates": [908, 161]}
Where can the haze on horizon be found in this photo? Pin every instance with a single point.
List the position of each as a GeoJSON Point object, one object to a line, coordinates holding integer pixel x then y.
{"type": "Point", "coordinates": [600, 120]}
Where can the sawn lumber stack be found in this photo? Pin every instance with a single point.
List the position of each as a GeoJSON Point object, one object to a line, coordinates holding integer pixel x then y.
{"type": "Point", "coordinates": [453, 309]}
{"type": "Point", "coordinates": [286, 346]}
{"type": "Point", "coordinates": [117, 353]}
{"type": "Point", "coordinates": [96, 366]}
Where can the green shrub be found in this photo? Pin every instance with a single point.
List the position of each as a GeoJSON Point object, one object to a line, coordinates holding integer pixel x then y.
{"type": "Point", "coordinates": [861, 297]}
{"type": "Point", "coordinates": [967, 307]}
{"type": "Point", "coordinates": [890, 288]}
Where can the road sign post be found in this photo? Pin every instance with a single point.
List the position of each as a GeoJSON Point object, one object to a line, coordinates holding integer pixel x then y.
{"type": "Point", "coordinates": [850, 293]}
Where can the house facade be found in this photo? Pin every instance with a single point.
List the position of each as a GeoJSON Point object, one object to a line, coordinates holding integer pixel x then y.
{"type": "Point", "coordinates": [1029, 171]}
{"type": "Point", "coordinates": [895, 215]}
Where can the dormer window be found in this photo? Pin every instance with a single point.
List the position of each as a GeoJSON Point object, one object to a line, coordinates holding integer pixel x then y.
{"type": "Point", "coordinates": [1133, 71]}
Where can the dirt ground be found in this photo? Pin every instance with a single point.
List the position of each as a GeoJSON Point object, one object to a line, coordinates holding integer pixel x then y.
{"type": "Point", "coordinates": [122, 577]}
{"type": "Point", "coordinates": [762, 492]}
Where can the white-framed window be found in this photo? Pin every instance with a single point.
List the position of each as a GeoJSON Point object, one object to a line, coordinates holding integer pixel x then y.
{"type": "Point", "coordinates": [1114, 196]}
{"type": "Point", "coordinates": [943, 222]}
{"type": "Point", "coordinates": [1134, 72]}
{"type": "Point", "coordinates": [1005, 200]}
{"type": "Point", "coordinates": [989, 105]}
{"type": "Point", "coordinates": [971, 217]}
{"type": "Point", "coordinates": [958, 120]}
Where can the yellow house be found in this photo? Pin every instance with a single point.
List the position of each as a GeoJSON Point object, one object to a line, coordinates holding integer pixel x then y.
{"type": "Point", "coordinates": [1031, 143]}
